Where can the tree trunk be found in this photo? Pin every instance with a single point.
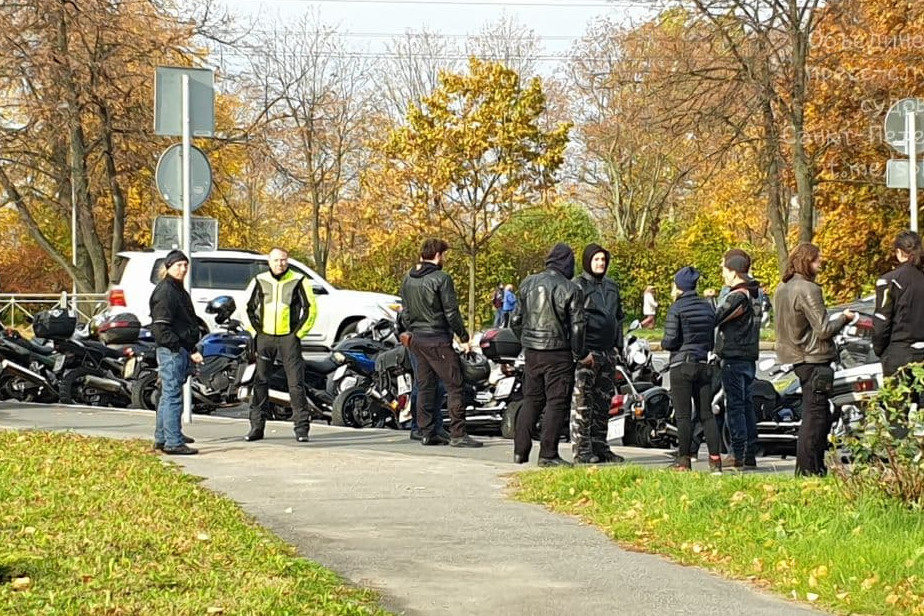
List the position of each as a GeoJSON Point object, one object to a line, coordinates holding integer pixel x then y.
{"type": "Point", "coordinates": [118, 197]}
{"type": "Point", "coordinates": [472, 260]}
{"type": "Point", "coordinates": [775, 210]}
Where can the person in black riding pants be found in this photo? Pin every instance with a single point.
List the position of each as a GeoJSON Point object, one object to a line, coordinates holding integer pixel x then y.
{"type": "Point", "coordinates": [688, 335]}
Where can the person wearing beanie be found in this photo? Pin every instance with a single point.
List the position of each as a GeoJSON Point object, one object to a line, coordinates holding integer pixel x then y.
{"type": "Point", "coordinates": [688, 335]}
{"type": "Point", "coordinates": [594, 384]}
{"type": "Point", "coordinates": [549, 321]}
{"type": "Point", "coordinates": [176, 332]}
{"type": "Point", "coordinates": [737, 343]}
{"type": "Point", "coordinates": [280, 311]}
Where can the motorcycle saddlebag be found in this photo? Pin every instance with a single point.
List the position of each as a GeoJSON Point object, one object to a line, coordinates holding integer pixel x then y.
{"type": "Point", "coordinates": [500, 343]}
{"type": "Point", "coordinates": [122, 328]}
{"type": "Point", "coordinates": [56, 323]}
{"type": "Point", "coordinates": [393, 360]}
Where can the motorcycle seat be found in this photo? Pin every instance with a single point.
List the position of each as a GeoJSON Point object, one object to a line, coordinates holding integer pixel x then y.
{"type": "Point", "coordinates": [38, 349]}
{"type": "Point", "coordinates": [102, 348]}
{"type": "Point", "coordinates": [321, 366]}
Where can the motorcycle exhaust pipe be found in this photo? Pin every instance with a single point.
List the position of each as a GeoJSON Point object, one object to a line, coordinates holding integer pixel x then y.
{"type": "Point", "coordinates": [105, 384]}
{"type": "Point", "coordinates": [29, 375]}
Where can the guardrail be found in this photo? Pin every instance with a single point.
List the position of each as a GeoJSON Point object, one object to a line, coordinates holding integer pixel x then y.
{"type": "Point", "coordinates": [19, 308]}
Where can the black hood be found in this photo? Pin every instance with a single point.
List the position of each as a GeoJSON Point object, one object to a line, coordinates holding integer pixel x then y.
{"type": "Point", "coordinates": [561, 260]}
{"type": "Point", "coordinates": [423, 268]}
{"type": "Point", "coordinates": [752, 286]}
{"type": "Point", "coordinates": [589, 253]}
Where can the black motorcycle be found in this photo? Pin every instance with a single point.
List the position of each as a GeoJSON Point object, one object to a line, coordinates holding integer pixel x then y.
{"type": "Point", "coordinates": [29, 371]}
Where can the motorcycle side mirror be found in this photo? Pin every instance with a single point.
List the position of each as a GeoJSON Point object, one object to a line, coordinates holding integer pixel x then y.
{"type": "Point", "coordinates": [766, 364]}
{"type": "Point", "coordinates": [635, 324]}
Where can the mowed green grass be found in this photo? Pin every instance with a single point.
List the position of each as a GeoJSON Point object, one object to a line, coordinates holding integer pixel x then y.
{"type": "Point", "coordinates": [801, 538]}
{"type": "Point", "coordinates": [96, 526]}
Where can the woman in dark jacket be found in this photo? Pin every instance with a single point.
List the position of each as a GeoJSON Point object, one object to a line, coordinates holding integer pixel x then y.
{"type": "Point", "coordinates": [688, 335]}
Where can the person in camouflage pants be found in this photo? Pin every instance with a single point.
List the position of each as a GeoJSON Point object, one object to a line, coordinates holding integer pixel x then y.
{"type": "Point", "coordinates": [594, 383]}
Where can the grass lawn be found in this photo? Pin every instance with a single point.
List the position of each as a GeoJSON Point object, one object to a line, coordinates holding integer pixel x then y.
{"type": "Point", "coordinates": [802, 539]}
{"type": "Point", "coordinates": [96, 526]}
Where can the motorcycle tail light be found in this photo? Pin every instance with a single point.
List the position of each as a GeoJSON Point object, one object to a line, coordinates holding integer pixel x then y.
{"type": "Point", "coordinates": [128, 352]}
{"type": "Point", "coordinates": [864, 385]}
{"type": "Point", "coordinates": [616, 404]}
{"type": "Point", "coordinates": [508, 370]}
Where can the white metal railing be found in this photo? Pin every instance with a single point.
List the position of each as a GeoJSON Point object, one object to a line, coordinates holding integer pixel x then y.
{"type": "Point", "coordinates": [19, 308]}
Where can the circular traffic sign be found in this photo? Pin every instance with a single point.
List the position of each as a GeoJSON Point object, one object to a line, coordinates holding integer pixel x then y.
{"type": "Point", "coordinates": [895, 124]}
{"type": "Point", "coordinates": [169, 177]}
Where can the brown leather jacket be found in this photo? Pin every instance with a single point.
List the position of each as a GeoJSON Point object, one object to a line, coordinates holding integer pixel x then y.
{"type": "Point", "coordinates": [803, 331]}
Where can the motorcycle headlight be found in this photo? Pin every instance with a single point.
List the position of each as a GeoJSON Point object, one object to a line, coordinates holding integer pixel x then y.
{"type": "Point", "coordinates": [638, 358]}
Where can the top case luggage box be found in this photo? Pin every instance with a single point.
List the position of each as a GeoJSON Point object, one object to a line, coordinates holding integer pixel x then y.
{"type": "Point", "coordinates": [56, 323]}
{"type": "Point", "coordinates": [500, 343]}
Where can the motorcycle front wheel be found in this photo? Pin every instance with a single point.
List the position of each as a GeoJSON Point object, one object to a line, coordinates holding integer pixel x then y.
{"type": "Point", "coordinates": [354, 409]}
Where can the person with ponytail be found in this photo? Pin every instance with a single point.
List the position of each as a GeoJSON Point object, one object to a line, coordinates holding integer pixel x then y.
{"type": "Point", "coordinates": [898, 323]}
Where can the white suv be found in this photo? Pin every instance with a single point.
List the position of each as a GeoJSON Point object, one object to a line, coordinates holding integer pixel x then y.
{"type": "Point", "coordinates": [228, 272]}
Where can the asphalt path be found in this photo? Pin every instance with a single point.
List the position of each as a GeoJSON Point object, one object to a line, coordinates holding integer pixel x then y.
{"type": "Point", "coordinates": [431, 528]}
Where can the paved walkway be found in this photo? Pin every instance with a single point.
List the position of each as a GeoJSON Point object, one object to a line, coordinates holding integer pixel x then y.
{"type": "Point", "coordinates": [430, 528]}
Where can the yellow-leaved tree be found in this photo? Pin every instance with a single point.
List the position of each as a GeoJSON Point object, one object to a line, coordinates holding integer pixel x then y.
{"type": "Point", "coordinates": [473, 153]}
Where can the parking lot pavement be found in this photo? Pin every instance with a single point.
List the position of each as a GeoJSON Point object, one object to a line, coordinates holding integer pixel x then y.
{"type": "Point", "coordinates": [432, 529]}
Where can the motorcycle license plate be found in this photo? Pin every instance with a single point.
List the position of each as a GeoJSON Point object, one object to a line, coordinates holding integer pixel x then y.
{"type": "Point", "coordinates": [59, 363]}
{"type": "Point", "coordinates": [504, 388]}
{"type": "Point", "coordinates": [616, 428]}
{"type": "Point", "coordinates": [127, 372]}
{"type": "Point", "coordinates": [339, 372]}
{"type": "Point", "coordinates": [404, 384]}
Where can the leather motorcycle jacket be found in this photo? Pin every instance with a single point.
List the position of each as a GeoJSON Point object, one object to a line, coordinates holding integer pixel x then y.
{"type": "Point", "coordinates": [430, 306]}
{"type": "Point", "coordinates": [804, 332]}
{"type": "Point", "coordinates": [549, 315]}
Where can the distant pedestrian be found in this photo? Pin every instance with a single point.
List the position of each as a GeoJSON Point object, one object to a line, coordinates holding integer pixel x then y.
{"type": "Point", "coordinates": [737, 346]}
{"type": "Point", "coordinates": [688, 335]}
{"type": "Point", "coordinates": [649, 307]}
{"type": "Point", "coordinates": [804, 336]}
{"type": "Point", "coordinates": [549, 321]}
{"type": "Point", "coordinates": [497, 302]}
{"type": "Point", "coordinates": [898, 326]}
{"type": "Point", "coordinates": [510, 302]}
{"type": "Point", "coordinates": [176, 332]}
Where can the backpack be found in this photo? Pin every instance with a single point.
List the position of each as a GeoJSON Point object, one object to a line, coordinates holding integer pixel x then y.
{"type": "Point", "coordinates": [498, 299]}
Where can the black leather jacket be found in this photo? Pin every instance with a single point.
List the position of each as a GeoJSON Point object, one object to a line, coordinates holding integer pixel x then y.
{"type": "Point", "coordinates": [550, 314]}
{"type": "Point", "coordinates": [603, 313]}
{"type": "Point", "coordinates": [738, 322]}
{"type": "Point", "coordinates": [430, 306]}
{"type": "Point", "coordinates": [899, 318]}
{"type": "Point", "coordinates": [688, 331]}
{"type": "Point", "coordinates": [173, 318]}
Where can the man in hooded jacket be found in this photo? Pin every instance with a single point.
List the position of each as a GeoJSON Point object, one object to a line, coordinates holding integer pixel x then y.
{"type": "Point", "coordinates": [549, 321]}
{"type": "Point", "coordinates": [594, 384]}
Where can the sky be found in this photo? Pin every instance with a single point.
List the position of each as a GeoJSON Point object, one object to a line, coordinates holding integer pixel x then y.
{"type": "Point", "coordinates": [372, 22]}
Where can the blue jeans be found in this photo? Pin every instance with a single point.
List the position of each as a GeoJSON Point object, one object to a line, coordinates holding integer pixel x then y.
{"type": "Point", "coordinates": [737, 377]}
{"type": "Point", "coordinates": [172, 369]}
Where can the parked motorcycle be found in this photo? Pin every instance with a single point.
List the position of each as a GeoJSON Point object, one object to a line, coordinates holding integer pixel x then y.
{"type": "Point", "coordinates": [379, 399]}
{"type": "Point", "coordinates": [215, 382]}
{"type": "Point", "coordinates": [649, 413]}
{"type": "Point", "coordinates": [29, 371]}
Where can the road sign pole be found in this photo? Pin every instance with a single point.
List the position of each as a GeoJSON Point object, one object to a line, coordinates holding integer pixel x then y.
{"type": "Point", "coordinates": [911, 134]}
{"type": "Point", "coordinates": [187, 222]}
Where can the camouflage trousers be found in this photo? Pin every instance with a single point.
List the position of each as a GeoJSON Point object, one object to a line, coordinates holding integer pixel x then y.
{"type": "Point", "coordinates": [590, 406]}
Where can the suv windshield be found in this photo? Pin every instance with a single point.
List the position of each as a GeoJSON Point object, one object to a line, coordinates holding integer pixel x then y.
{"type": "Point", "coordinates": [231, 275]}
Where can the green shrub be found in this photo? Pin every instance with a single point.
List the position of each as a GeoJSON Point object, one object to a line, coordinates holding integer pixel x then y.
{"type": "Point", "coordinates": [887, 450]}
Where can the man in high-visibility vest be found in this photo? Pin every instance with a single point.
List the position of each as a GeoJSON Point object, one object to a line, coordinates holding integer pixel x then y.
{"type": "Point", "coordinates": [281, 309]}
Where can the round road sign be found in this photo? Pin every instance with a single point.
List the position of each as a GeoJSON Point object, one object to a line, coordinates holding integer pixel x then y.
{"type": "Point", "coordinates": [169, 177]}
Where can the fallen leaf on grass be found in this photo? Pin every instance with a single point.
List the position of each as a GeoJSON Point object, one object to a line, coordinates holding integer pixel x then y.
{"type": "Point", "coordinates": [215, 610]}
{"type": "Point", "coordinates": [204, 537]}
{"type": "Point", "coordinates": [21, 583]}
{"type": "Point", "coordinates": [811, 596]}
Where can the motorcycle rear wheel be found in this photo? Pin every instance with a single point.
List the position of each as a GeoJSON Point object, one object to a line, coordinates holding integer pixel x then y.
{"type": "Point", "coordinates": [74, 389]}
{"type": "Point", "coordinates": [146, 392]}
{"type": "Point", "coordinates": [509, 423]}
{"type": "Point", "coordinates": [353, 408]}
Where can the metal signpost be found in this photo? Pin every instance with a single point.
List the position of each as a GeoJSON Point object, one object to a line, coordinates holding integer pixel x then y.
{"type": "Point", "coordinates": [184, 106]}
{"type": "Point", "coordinates": [902, 132]}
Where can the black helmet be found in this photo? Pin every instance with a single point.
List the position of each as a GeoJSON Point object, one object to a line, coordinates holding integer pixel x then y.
{"type": "Point", "coordinates": [475, 368]}
{"type": "Point", "coordinates": [222, 307]}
